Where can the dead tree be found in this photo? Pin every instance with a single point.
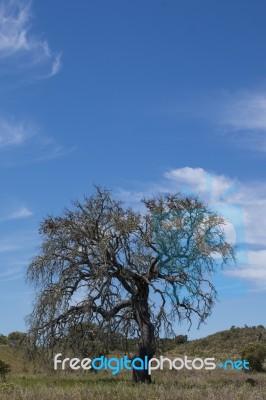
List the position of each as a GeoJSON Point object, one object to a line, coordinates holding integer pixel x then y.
{"type": "Point", "coordinates": [125, 271]}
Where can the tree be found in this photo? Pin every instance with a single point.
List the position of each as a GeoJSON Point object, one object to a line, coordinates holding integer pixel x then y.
{"type": "Point", "coordinates": [17, 339]}
{"type": "Point", "coordinates": [180, 339]}
{"type": "Point", "coordinates": [124, 270]}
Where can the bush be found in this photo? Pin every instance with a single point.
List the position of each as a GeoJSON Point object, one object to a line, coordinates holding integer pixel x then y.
{"type": "Point", "coordinates": [17, 339]}
{"type": "Point", "coordinates": [255, 354]}
{"type": "Point", "coordinates": [3, 339]}
{"type": "Point", "coordinates": [4, 369]}
{"type": "Point", "coordinates": [180, 339]}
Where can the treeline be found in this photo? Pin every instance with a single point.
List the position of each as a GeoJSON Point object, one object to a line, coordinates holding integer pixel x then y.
{"type": "Point", "coordinates": [76, 340]}
{"type": "Point", "coordinates": [13, 339]}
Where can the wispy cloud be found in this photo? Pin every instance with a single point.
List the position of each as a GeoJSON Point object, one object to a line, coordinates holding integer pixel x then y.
{"type": "Point", "coordinates": [12, 273]}
{"type": "Point", "coordinates": [16, 250]}
{"type": "Point", "coordinates": [12, 209]}
{"type": "Point", "coordinates": [19, 46]}
{"type": "Point", "coordinates": [21, 142]}
{"type": "Point", "coordinates": [21, 212]}
{"type": "Point", "coordinates": [21, 240]}
{"type": "Point", "coordinates": [14, 133]}
{"type": "Point", "coordinates": [243, 116]}
{"type": "Point", "coordinates": [254, 271]}
{"type": "Point", "coordinates": [244, 111]}
{"type": "Point", "coordinates": [7, 247]}
{"type": "Point", "coordinates": [240, 116]}
{"type": "Point", "coordinates": [57, 64]}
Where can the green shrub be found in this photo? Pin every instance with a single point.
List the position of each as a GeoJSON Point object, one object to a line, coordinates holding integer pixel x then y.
{"type": "Point", "coordinates": [255, 354]}
{"type": "Point", "coordinates": [16, 339]}
{"type": "Point", "coordinates": [3, 339]}
{"type": "Point", "coordinates": [4, 369]}
{"type": "Point", "coordinates": [180, 339]}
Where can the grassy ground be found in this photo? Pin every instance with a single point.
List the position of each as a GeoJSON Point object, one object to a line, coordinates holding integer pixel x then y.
{"type": "Point", "coordinates": [218, 384]}
{"type": "Point", "coordinates": [168, 385]}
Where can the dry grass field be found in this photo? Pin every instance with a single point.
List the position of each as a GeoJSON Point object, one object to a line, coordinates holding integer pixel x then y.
{"type": "Point", "coordinates": [23, 384]}
{"type": "Point", "coordinates": [168, 385]}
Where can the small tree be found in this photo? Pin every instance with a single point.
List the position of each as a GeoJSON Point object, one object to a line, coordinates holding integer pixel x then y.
{"type": "Point", "coordinates": [126, 271]}
{"type": "Point", "coordinates": [4, 369]}
{"type": "Point", "coordinates": [181, 339]}
{"type": "Point", "coordinates": [17, 339]}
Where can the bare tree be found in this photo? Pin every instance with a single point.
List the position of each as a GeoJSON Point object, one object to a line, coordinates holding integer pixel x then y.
{"type": "Point", "coordinates": [126, 271]}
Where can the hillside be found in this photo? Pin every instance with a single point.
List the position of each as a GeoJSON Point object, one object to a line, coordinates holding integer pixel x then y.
{"type": "Point", "coordinates": [224, 344]}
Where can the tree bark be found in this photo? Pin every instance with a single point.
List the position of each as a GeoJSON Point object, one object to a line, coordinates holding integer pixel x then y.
{"type": "Point", "coordinates": [146, 345]}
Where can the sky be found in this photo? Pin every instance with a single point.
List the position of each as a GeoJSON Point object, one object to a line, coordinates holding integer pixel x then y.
{"type": "Point", "coordinates": [142, 97]}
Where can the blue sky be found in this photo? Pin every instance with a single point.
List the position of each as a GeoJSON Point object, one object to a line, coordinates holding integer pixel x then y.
{"type": "Point", "coordinates": [141, 97]}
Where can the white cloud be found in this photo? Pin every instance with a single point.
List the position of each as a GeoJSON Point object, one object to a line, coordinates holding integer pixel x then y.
{"type": "Point", "coordinates": [17, 43]}
{"type": "Point", "coordinates": [212, 187]}
{"type": "Point", "coordinates": [200, 181]}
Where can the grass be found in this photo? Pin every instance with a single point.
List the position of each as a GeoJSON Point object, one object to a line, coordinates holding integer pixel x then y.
{"type": "Point", "coordinates": [169, 385]}
{"type": "Point", "coordinates": [217, 384]}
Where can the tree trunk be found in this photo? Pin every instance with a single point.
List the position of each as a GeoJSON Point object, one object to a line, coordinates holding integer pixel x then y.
{"type": "Point", "coordinates": [146, 345]}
